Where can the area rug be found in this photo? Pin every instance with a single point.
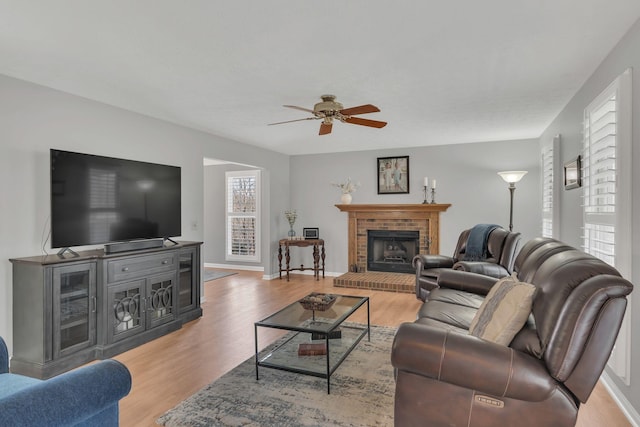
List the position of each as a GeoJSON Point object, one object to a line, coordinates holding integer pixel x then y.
{"type": "Point", "coordinates": [362, 393]}
{"type": "Point", "coordinates": [209, 275]}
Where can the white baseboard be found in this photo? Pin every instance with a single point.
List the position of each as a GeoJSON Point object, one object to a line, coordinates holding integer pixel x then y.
{"type": "Point", "coordinates": [235, 266]}
{"type": "Point", "coordinates": [623, 403]}
{"type": "Point", "coordinates": [307, 272]}
{"type": "Point", "coordinates": [260, 268]}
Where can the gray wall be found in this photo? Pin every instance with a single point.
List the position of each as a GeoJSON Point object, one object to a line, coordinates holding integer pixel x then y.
{"type": "Point", "coordinates": [466, 177]}
{"type": "Point", "coordinates": [34, 119]}
{"type": "Point", "coordinates": [569, 125]}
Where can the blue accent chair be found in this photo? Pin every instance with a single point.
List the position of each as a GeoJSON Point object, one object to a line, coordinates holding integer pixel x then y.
{"type": "Point", "coordinates": [87, 396]}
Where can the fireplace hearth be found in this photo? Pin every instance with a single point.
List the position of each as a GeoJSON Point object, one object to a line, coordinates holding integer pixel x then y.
{"type": "Point", "coordinates": [392, 250]}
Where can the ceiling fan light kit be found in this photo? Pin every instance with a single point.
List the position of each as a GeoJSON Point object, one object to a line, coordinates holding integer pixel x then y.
{"type": "Point", "coordinates": [328, 104]}
{"type": "Point", "coordinates": [330, 109]}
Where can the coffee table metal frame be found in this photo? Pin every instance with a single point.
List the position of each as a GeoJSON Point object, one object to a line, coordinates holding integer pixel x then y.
{"type": "Point", "coordinates": [307, 322]}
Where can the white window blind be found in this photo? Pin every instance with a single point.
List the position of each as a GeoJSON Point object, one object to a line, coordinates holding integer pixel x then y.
{"type": "Point", "coordinates": [102, 204]}
{"type": "Point", "coordinates": [599, 173]}
{"type": "Point", "coordinates": [243, 215]}
{"type": "Point", "coordinates": [102, 189]}
{"type": "Point", "coordinates": [606, 173]}
{"type": "Point", "coordinates": [547, 191]}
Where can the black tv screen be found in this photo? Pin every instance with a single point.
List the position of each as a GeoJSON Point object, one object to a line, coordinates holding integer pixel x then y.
{"type": "Point", "coordinates": [96, 199]}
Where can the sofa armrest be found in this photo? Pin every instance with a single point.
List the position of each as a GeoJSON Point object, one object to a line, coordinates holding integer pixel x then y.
{"type": "Point", "coordinates": [69, 399]}
{"type": "Point", "coordinates": [422, 262]}
{"type": "Point", "coordinates": [466, 281]}
{"type": "Point", "coordinates": [470, 362]}
{"type": "Point", "coordinates": [486, 268]}
{"type": "Point", "coordinates": [4, 357]}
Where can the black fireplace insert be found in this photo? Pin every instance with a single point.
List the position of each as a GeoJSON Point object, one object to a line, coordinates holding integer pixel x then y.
{"type": "Point", "coordinates": [392, 250]}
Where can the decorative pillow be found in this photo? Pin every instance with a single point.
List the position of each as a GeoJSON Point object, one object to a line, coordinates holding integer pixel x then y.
{"type": "Point", "coordinates": [504, 311]}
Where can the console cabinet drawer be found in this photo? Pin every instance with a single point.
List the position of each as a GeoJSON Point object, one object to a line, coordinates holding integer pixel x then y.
{"type": "Point", "coordinates": [143, 266]}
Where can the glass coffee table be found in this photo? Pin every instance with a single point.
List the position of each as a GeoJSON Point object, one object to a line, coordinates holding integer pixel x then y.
{"type": "Point", "coordinates": [319, 326]}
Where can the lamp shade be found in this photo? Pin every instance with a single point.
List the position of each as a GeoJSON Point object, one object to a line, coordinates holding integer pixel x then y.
{"type": "Point", "coordinates": [512, 176]}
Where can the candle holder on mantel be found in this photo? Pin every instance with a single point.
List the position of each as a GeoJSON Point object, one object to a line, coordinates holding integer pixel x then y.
{"type": "Point", "coordinates": [425, 195]}
{"type": "Point", "coordinates": [433, 196]}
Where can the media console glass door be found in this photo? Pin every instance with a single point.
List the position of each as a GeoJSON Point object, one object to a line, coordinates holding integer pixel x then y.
{"type": "Point", "coordinates": [74, 317]}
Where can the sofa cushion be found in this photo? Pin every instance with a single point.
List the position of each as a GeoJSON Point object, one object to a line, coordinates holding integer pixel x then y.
{"type": "Point", "coordinates": [503, 312]}
{"type": "Point", "coordinates": [527, 340]}
{"type": "Point", "coordinates": [442, 325]}
{"type": "Point", "coordinates": [451, 314]}
{"type": "Point", "coordinates": [458, 297]}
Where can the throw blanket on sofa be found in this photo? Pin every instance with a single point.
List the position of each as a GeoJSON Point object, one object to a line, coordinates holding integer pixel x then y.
{"type": "Point", "coordinates": [477, 242]}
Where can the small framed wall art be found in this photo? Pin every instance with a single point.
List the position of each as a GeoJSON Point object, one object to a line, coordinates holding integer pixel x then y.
{"type": "Point", "coordinates": [572, 174]}
{"type": "Point", "coordinates": [310, 233]}
{"type": "Point", "coordinates": [393, 175]}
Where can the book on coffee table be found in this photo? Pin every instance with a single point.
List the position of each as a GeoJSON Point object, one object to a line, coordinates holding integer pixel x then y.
{"type": "Point", "coordinates": [312, 349]}
{"type": "Point", "coordinates": [335, 334]}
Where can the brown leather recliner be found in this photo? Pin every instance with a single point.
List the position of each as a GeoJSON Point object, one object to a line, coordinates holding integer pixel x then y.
{"type": "Point", "coordinates": [502, 247]}
{"type": "Point", "coordinates": [446, 377]}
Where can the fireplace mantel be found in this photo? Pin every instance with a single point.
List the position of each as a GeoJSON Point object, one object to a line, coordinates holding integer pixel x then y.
{"type": "Point", "coordinates": [363, 217]}
{"type": "Point", "coordinates": [400, 208]}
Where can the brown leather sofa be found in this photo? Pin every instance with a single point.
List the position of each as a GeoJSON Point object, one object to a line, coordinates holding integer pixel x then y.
{"type": "Point", "coordinates": [446, 377]}
{"type": "Point", "coordinates": [502, 248]}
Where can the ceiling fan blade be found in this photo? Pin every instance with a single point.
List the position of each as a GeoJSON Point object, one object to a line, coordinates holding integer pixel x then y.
{"type": "Point", "coordinates": [291, 121]}
{"type": "Point", "coordinates": [361, 109]}
{"type": "Point", "coordinates": [325, 128]}
{"type": "Point", "coordinates": [365, 122]}
{"type": "Point", "coordinates": [300, 108]}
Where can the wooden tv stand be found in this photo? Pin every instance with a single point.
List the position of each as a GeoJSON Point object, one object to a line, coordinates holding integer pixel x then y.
{"type": "Point", "coordinates": [69, 310]}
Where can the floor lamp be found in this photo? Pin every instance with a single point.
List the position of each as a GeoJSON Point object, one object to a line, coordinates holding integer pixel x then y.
{"type": "Point", "coordinates": [511, 177]}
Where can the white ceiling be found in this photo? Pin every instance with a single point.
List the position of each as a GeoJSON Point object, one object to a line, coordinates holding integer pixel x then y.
{"type": "Point", "coordinates": [442, 72]}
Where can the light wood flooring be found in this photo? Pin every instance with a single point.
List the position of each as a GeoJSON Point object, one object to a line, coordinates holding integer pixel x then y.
{"type": "Point", "coordinates": [170, 369]}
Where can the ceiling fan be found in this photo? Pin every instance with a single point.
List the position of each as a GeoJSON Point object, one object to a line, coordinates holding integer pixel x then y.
{"type": "Point", "coordinates": [330, 109]}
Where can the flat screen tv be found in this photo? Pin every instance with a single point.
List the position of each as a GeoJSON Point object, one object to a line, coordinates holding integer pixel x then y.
{"type": "Point", "coordinates": [96, 199]}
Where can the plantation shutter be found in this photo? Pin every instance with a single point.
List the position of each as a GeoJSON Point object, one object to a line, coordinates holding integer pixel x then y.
{"type": "Point", "coordinates": [547, 191]}
{"type": "Point", "coordinates": [599, 171]}
{"type": "Point", "coordinates": [607, 193]}
{"type": "Point", "coordinates": [243, 207]}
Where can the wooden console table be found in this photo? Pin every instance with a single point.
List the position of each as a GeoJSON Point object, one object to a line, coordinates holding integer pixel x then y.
{"type": "Point", "coordinates": [318, 256]}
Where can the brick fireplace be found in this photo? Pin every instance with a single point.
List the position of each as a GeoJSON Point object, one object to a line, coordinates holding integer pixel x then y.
{"type": "Point", "coordinates": [423, 218]}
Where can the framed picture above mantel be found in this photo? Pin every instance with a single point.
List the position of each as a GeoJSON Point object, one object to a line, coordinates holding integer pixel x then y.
{"type": "Point", "coordinates": [393, 175]}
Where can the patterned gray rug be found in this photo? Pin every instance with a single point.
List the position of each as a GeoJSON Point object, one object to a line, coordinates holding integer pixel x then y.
{"type": "Point", "coordinates": [362, 392]}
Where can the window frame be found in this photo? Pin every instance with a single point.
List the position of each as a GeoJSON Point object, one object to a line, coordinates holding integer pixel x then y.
{"type": "Point", "coordinates": [230, 175]}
